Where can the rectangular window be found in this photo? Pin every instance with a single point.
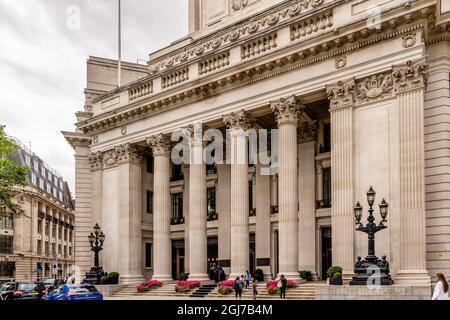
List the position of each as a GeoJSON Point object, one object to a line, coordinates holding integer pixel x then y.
{"type": "Point", "coordinates": [6, 244]}
{"type": "Point", "coordinates": [39, 247]}
{"type": "Point", "coordinates": [250, 196]}
{"type": "Point", "coordinates": [326, 138]}
{"type": "Point", "coordinates": [47, 253]}
{"type": "Point", "coordinates": [6, 221]}
{"type": "Point", "coordinates": [149, 202]}
{"type": "Point", "coordinates": [149, 164]}
{"type": "Point", "coordinates": [47, 228]}
{"type": "Point", "coordinates": [33, 179]}
{"type": "Point", "coordinates": [148, 255]}
{"type": "Point", "coordinates": [54, 249]}
{"type": "Point", "coordinates": [326, 176]}
{"type": "Point", "coordinates": [65, 252]}
{"type": "Point", "coordinates": [41, 184]}
{"type": "Point", "coordinates": [211, 202]}
{"type": "Point", "coordinates": [59, 249]}
{"type": "Point", "coordinates": [35, 165]}
{"type": "Point", "coordinates": [177, 172]}
{"type": "Point", "coordinates": [53, 230]}
{"type": "Point", "coordinates": [39, 226]}
{"type": "Point", "coordinates": [70, 251]}
{"type": "Point", "coordinates": [177, 208]}
{"type": "Point", "coordinates": [7, 269]}
{"type": "Point", "coordinates": [65, 234]}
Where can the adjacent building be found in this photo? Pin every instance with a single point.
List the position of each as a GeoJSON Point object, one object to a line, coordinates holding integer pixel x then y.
{"type": "Point", "coordinates": [359, 92]}
{"type": "Point", "coordinates": [42, 236]}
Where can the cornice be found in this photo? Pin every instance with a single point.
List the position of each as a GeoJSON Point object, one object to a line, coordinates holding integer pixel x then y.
{"type": "Point", "coordinates": [340, 44]}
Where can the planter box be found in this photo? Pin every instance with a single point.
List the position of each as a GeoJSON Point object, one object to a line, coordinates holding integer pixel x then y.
{"type": "Point", "coordinates": [335, 281]}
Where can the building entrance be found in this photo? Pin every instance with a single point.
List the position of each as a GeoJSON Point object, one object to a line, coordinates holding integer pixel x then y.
{"type": "Point", "coordinates": [326, 250]}
{"type": "Point", "coordinates": [177, 258]}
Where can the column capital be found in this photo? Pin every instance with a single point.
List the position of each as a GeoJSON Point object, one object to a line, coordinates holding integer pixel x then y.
{"type": "Point", "coordinates": [160, 144]}
{"type": "Point", "coordinates": [239, 120]}
{"type": "Point", "coordinates": [128, 153]}
{"type": "Point", "coordinates": [96, 160]}
{"type": "Point", "coordinates": [374, 87]}
{"type": "Point", "coordinates": [110, 158]}
{"type": "Point", "coordinates": [341, 95]}
{"type": "Point", "coordinates": [410, 76]}
{"type": "Point", "coordinates": [287, 110]}
{"type": "Point", "coordinates": [307, 132]}
{"type": "Point", "coordinates": [194, 132]}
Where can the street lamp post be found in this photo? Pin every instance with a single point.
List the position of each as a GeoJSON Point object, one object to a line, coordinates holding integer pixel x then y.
{"type": "Point", "coordinates": [371, 270]}
{"type": "Point", "coordinates": [96, 241]}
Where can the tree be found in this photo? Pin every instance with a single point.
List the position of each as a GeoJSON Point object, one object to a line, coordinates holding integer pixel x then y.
{"type": "Point", "coordinates": [12, 176]}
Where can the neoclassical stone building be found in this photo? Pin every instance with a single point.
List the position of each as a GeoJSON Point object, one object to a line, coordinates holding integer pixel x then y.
{"type": "Point", "coordinates": [359, 92]}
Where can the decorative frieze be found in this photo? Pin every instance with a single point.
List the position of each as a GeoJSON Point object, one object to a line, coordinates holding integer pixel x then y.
{"type": "Point", "coordinates": [311, 25]}
{"type": "Point", "coordinates": [410, 76]}
{"type": "Point", "coordinates": [287, 110]}
{"type": "Point", "coordinates": [258, 46]}
{"type": "Point", "coordinates": [96, 160]}
{"type": "Point", "coordinates": [239, 120]}
{"type": "Point", "coordinates": [140, 90]}
{"type": "Point", "coordinates": [374, 87]}
{"type": "Point", "coordinates": [342, 94]}
{"type": "Point", "coordinates": [160, 144]}
{"type": "Point", "coordinates": [307, 132]}
{"type": "Point", "coordinates": [175, 78]}
{"type": "Point", "coordinates": [214, 63]}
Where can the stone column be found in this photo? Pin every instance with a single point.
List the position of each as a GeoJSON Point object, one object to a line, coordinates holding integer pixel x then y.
{"type": "Point", "coordinates": [342, 220]}
{"type": "Point", "coordinates": [307, 197]}
{"type": "Point", "coordinates": [238, 123]}
{"type": "Point", "coordinates": [287, 113]}
{"type": "Point", "coordinates": [319, 181]}
{"type": "Point", "coordinates": [198, 240]}
{"type": "Point", "coordinates": [160, 145]}
{"type": "Point", "coordinates": [96, 170]}
{"type": "Point", "coordinates": [409, 84]}
{"type": "Point", "coordinates": [224, 214]}
{"type": "Point", "coordinates": [129, 222]}
{"type": "Point", "coordinates": [262, 205]}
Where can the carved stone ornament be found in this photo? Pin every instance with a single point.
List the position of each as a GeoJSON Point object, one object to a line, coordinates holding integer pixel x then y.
{"type": "Point", "coordinates": [110, 158]}
{"type": "Point", "coordinates": [409, 40]}
{"type": "Point", "coordinates": [374, 87]}
{"type": "Point", "coordinates": [341, 62]}
{"type": "Point", "coordinates": [96, 160]}
{"type": "Point", "coordinates": [307, 132]}
{"type": "Point", "coordinates": [287, 110]}
{"type": "Point", "coordinates": [412, 75]}
{"type": "Point", "coordinates": [194, 131]}
{"type": "Point", "coordinates": [342, 94]}
{"type": "Point", "coordinates": [123, 130]}
{"type": "Point", "coordinates": [238, 5]}
{"type": "Point", "coordinates": [238, 120]}
{"type": "Point", "coordinates": [128, 153]}
{"type": "Point", "coordinates": [160, 144]}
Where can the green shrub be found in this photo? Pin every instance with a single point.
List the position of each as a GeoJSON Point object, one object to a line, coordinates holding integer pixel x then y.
{"type": "Point", "coordinates": [113, 278]}
{"type": "Point", "coordinates": [305, 275]}
{"type": "Point", "coordinates": [259, 275]}
{"type": "Point", "coordinates": [183, 276]}
{"type": "Point", "coordinates": [104, 280]}
{"type": "Point", "coordinates": [337, 275]}
{"type": "Point", "coordinates": [332, 270]}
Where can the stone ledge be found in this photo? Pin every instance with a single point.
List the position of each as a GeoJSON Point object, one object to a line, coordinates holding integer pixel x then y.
{"type": "Point", "coordinates": [394, 292]}
{"type": "Point", "coordinates": [109, 290]}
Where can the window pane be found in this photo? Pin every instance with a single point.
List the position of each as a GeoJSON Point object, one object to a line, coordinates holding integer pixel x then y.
{"type": "Point", "coordinates": [148, 255]}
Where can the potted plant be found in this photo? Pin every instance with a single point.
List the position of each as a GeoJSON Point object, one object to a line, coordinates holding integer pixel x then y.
{"type": "Point", "coordinates": [113, 277]}
{"type": "Point", "coordinates": [183, 276]}
{"type": "Point", "coordinates": [334, 273]}
{"type": "Point", "coordinates": [259, 275]}
{"type": "Point", "coordinates": [306, 275]}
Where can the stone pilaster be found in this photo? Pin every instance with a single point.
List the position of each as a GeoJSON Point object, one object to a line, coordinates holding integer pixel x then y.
{"type": "Point", "coordinates": [129, 214]}
{"type": "Point", "coordinates": [238, 123]}
{"type": "Point", "coordinates": [224, 214]}
{"type": "Point", "coordinates": [287, 113]}
{"type": "Point", "coordinates": [160, 145]}
{"type": "Point", "coordinates": [198, 249]}
{"type": "Point", "coordinates": [409, 84]}
{"type": "Point", "coordinates": [342, 221]}
{"type": "Point", "coordinates": [262, 191]}
{"type": "Point", "coordinates": [307, 197]}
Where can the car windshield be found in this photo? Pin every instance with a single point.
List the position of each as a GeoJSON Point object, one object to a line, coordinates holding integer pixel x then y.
{"type": "Point", "coordinates": [78, 290]}
{"type": "Point", "coordinates": [49, 281]}
{"type": "Point", "coordinates": [27, 287]}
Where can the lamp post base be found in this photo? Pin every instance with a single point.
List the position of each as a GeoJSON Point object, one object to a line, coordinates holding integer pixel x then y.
{"type": "Point", "coordinates": [94, 275]}
{"type": "Point", "coordinates": [371, 272]}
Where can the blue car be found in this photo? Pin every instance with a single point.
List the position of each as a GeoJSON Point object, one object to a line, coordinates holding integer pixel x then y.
{"type": "Point", "coordinates": [74, 292]}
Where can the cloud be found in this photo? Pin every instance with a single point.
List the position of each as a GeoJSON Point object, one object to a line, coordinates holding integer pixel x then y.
{"type": "Point", "coordinates": [43, 61]}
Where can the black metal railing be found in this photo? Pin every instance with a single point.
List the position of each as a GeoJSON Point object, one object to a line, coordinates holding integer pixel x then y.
{"type": "Point", "coordinates": [177, 221]}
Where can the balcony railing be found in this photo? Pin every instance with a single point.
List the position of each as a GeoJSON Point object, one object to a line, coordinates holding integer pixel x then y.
{"type": "Point", "coordinates": [323, 204]}
{"type": "Point", "coordinates": [177, 221]}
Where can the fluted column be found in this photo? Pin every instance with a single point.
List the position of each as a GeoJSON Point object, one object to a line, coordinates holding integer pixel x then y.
{"type": "Point", "coordinates": [198, 246]}
{"type": "Point", "coordinates": [238, 123]}
{"type": "Point", "coordinates": [342, 221]}
{"type": "Point", "coordinates": [287, 113]}
{"type": "Point", "coordinates": [160, 146]}
{"type": "Point", "coordinates": [409, 84]}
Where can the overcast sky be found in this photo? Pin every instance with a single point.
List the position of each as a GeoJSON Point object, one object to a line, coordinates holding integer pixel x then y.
{"type": "Point", "coordinates": [44, 45]}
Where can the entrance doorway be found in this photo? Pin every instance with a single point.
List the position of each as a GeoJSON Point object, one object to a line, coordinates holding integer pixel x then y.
{"type": "Point", "coordinates": [177, 258]}
{"type": "Point", "coordinates": [252, 257]}
{"type": "Point", "coordinates": [213, 254]}
{"type": "Point", "coordinates": [326, 250]}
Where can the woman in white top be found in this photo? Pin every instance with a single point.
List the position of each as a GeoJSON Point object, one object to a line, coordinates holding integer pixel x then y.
{"type": "Point", "coordinates": [441, 288]}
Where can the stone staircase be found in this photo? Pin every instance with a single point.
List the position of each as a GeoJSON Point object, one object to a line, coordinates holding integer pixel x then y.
{"type": "Point", "coordinates": [302, 292]}
{"type": "Point", "coordinates": [204, 291]}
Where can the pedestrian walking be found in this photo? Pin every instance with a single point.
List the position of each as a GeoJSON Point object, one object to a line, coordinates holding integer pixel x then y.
{"type": "Point", "coordinates": [282, 284]}
{"type": "Point", "coordinates": [238, 285]}
{"type": "Point", "coordinates": [247, 279]}
{"type": "Point", "coordinates": [255, 289]}
{"type": "Point", "coordinates": [441, 288]}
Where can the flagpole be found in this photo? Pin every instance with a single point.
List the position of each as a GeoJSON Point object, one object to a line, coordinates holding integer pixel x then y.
{"type": "Point", "coordinates": [119, 67]}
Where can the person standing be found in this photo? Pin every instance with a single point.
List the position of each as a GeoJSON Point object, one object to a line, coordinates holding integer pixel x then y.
{"type": "Point", "coordinates": [282, 284]}
{"type": "Point", "coordinates": [255, 289]}
{"type": "Point", "coordinates": [238, 288]}
{"type": "Point", "coordinates": [247, 279]}
{"type": "Point", "coordinates": [441, 288]}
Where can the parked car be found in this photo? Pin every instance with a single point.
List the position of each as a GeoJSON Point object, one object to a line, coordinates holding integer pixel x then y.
{"type": "Point", "coordinates": [51, 284]}
{"type": "Point", "coordinates": [74, 292]}
{"type": "Point", "coordinates": [22, 291]}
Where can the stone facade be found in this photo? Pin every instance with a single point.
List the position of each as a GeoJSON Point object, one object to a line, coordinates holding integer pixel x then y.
{"type": "Point", "coordinates": [358, 100]}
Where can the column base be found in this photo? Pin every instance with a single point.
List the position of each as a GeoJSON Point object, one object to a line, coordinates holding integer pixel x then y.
{"type": "Point", "coordinates": [295, 276]}
{"type": "Point", "coordinates": [411, 277]}
{"type": "Point", "coordinates": [162, 277]}
{"type": "Point", "coordinates": [199, 277]}
{"type": "Point", "coordinates": [131, 279]}
{"type": "Point", "coordinates": [347, 276]}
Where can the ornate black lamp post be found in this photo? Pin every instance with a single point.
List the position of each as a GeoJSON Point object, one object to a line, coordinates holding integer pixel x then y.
{"type": "Point", "coordinates": [371, 267]}
{"type": "Point", "coordinates": [96, 240]}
